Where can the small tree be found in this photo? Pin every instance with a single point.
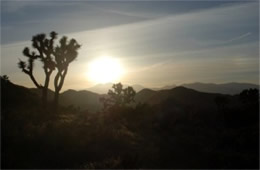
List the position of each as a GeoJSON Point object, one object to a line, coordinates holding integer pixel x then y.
{"type": "Point", "coordinates": [65, 53]}
{"type": "Point", "coordinates": [119, 96]}
{"type": "Point", "coordinates": [249, 96]}
{"type": "Point", "coordinates": [5, 78]}
{"type": "Point", "coordinates": [45, 53]}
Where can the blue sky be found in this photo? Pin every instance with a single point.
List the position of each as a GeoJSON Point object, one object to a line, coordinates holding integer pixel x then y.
{"type": "Point", "coordinates": [159, 43]}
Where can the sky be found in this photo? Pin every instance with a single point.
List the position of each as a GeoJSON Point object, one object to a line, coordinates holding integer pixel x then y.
{"type": "Point", "coordinates": [158, 43]}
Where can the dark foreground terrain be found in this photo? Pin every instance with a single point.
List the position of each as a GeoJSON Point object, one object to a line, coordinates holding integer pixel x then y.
{"type": "Point", "coordinates": [176, 128]}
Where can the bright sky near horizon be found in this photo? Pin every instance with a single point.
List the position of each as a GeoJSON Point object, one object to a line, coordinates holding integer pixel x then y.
{"type": "Point", "coordinates": [157, 43]}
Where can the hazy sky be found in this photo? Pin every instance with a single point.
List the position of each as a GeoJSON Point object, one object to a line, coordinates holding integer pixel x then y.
{"type": "Point", "coordinates": [158, 43]}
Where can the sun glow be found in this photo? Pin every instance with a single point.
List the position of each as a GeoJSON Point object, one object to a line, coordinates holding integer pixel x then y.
{"type": "Point", "coordinates": [104, 70]}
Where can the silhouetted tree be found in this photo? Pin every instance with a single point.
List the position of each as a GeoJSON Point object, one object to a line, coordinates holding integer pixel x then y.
{"type": "Point", "coordinates": [5, 78]}
{"type": "Point", "coordinates": [119, 96]}
{"type": "Point", "coordinates": [45, 53]}
{"type": "Point", "coordinates": [65, 53]}
{"type": "Point", "coordinates": [249, 96]}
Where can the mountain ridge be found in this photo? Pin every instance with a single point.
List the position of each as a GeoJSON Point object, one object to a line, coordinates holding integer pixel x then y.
{"type": "Point", "coordinates": [223, 88]}
{"type": "Point", "coordinates": [87, 100]}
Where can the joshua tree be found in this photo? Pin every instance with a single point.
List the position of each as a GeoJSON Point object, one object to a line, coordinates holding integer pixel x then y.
{"type": "Point", "coordinates": [65, 53]}
{"type": "Point", "coordinates": [52, 57]}
{"type": "Point", "coordinates": [119, 96]}
{"type": "Point", "coordinates": [45, 52]}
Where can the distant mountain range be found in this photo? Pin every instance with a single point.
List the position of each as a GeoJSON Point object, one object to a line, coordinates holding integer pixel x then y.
{"type": "Point", "coordinates": [103, 88]}
{"type": "Point", "coordinates": [83, 99]}
{"type": "Point", "coordinates": [87, 100]}
{"type": "Point", "coordinates": [226, 88]}
{"type": "Point", "coordinates": [180, 96]}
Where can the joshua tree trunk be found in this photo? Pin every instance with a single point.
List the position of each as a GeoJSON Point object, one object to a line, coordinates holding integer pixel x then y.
{"type": "Point", "coordinates": [58, 83]}
{"type": "Point", "coordinates": [56, 100]}
{"type": "Point", "coordinates": [45, 88]}
{"type": "Point", "coordinates": [44, 97]}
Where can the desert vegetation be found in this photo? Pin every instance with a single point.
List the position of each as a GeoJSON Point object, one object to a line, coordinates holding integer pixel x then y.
{"type": "Point", "coordinates": [219, 131]}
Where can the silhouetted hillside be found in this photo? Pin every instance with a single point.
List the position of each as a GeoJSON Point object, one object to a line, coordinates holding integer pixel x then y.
{"type": "Point", "coordinates": [178, 128]}
{"type": "Point", "coordinates": [179, 94]}
{"type": "Point", "coordinates": [13, 95]}
{"type": "Point", "coordinates": [227, 88]}
{"type": "Point", "coordinates": [86, 100]}
{"type": "Point", "coordinates": [164, 87]}
{"type": "Point", "coordinates": [38, 92]}
{"type": "Point", "coordinates": [83, 99]}
{"type": "Point", "coordinates": [137, 87]}
{"type": "Point", "coordinates": [144, 95]}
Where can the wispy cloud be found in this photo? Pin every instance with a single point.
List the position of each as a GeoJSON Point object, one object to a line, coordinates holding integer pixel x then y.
{"type": "Point", "coordinates": [239, 37]}
{"type": "Point", "coordinates": [210, 45]}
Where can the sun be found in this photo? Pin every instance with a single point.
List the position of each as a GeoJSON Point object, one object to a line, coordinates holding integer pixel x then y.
{"type": "Point", "coordinates": [104, 70]}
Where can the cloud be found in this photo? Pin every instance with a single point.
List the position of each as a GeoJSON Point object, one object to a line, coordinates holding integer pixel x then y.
{"type": "Point", "coordinates": [239, 37]}
{"type": "Point", "coordinates": [208, 45]}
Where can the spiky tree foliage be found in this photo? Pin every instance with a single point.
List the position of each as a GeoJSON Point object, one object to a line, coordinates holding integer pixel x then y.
{"type": "Point", "coordinates": [118, 96]}
{"type": "Point", "coordinates": [65, 53]}
{"type": "Point", "coordinates": [44, 51]}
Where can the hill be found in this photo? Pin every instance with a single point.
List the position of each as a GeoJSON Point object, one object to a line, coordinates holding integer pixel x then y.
{"type": "Point", "coordinates": [179, 128]}
{"type": "Point", "coordinates": [227, 88]}
{"type": "Point", "coordinates": [164, 87]}
{"type": "Point", "coordinates": [103, 88]}
{"type": "Point", "coordinates": [184, 98]}
{"type": "Point", "coordinates": [87, 100]}
{"type": "Point", "coordinates": [83, 99]}
{"type": "Point", "coordinates": [13, 95]}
